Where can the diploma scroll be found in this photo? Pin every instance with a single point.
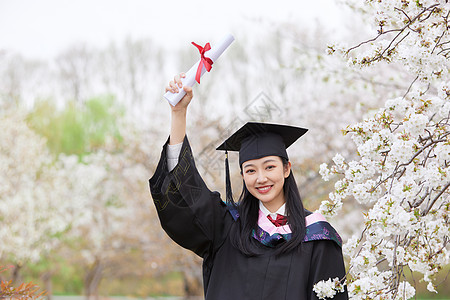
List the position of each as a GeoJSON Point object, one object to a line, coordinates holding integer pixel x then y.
{"type": "Point", "coordinates": [189, 80]}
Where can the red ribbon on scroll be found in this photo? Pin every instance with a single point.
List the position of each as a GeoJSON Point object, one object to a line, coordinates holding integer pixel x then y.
{"type": "Point", "coordinates": [204, 61]}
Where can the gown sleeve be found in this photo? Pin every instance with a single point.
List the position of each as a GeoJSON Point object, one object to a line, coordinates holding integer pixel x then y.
{"type": "Point", "coordinates": [327, 262]}
{"type": "Point", "coordinates": [192, 215]}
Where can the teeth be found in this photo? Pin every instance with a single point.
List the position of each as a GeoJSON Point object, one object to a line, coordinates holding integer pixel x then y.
{"type": "Point", "coordinates": [264, 188]}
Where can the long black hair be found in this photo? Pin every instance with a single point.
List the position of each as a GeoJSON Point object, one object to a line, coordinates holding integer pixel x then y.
{"type": "Point", "coordinates": [248, 208]}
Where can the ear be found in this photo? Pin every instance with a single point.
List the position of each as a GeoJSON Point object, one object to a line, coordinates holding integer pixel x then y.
{"type": "Point", "coordinates": [287, 169]}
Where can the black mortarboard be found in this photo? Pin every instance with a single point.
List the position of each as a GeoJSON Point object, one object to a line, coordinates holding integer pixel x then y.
{"type": "Point", "coordinates": [255, 140]}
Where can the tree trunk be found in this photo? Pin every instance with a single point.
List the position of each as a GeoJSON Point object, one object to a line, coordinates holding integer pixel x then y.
{"type": "Point", "coordinates": [192, 287]}
{"type": "Point", "coordinates": [192, 283]}
{"type": "Point", "coordinates": [192, 277]}
{"type": "Point", "coordinates": [16, 273]}
{"type": "Point", "coordinates": [92, 280]}
{"type": "Point", "coordinates": [48, 287]}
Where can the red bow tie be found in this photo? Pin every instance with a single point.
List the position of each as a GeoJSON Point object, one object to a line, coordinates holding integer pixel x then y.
{"type": "Point", "coordinates": [280, 221]}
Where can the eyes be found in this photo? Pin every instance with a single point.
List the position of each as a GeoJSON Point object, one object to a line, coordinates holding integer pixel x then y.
{"type": "Point", "coordinates": [253, 170]}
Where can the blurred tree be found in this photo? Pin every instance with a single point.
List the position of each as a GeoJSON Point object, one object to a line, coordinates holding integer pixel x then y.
{"type": "Point", "coordinates": [32, 216]}
{"type": "Point", "coordinates": [22, 79]}
{"type": "Point", "coordinates": [102, 159]}
{"type": "Point", "coordinates": [74, 69]}
{"type": "Point", "coordinates": [78, 129]}
{"type": "Point", "coordinates": [127, 70]}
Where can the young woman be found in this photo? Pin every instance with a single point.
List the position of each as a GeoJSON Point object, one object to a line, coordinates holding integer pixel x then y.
{"type": "Point", "coordinates": [267, 246]}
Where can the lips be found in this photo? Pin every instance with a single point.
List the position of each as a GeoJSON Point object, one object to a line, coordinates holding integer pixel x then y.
{"type": "Point", "coordinates": [264, 189]}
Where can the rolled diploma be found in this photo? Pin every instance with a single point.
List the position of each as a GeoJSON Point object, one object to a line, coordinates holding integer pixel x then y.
{"type": "Point", "coordinates": [189, 80]}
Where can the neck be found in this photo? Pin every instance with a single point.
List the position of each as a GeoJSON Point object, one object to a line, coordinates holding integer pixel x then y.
{"type": "Point", "coordinates": [273, 207]}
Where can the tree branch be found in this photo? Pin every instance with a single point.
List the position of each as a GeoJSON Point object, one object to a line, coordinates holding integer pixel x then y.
{"type": "Point", "coordinates": [435, 199]}
{"type": "Point", "coordinates": [399, 30]}
{"type": "Point", "coordinates": [410, 86]}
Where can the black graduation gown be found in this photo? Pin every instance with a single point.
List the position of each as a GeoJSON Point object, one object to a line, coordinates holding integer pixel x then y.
{"type": "Point", "coordinates": [197, 219]}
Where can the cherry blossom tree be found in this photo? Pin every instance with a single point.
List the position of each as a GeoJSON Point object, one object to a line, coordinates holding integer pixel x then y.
{"type": "Point", "coordinates": [402, 170]}
{"type": "Point", "coordinates": [32, 214]}
{"type": "Point", "coordinates": [102, 223]}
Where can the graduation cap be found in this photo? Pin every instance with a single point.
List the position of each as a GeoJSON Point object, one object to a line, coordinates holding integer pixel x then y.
{"type": "Point", "coordinates": [256, 140]}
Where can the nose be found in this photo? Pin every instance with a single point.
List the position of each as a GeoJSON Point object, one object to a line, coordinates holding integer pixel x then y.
{"type": "Point", "coordinates": [261, 177]}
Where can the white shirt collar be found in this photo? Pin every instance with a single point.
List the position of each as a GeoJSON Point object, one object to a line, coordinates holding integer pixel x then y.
{"type": "Point", "coordinates": [280, 211]}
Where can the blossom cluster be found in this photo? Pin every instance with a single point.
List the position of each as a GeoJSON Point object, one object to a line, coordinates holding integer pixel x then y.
{"type": "Point", "coordinates": [30, 198]}
{"type": "Point", "coordinates": [403, 174]}
{"type": "Point", "coordinates": [328, 288]}
{"type": "Point", "coordinates": [413, 33]}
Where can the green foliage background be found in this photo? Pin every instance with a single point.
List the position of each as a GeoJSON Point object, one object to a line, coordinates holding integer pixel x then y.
{"type": "Point", "coordinates": [78, 128]}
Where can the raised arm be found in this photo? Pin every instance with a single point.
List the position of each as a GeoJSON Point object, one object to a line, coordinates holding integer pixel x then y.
{"type": "Point", "coordinates": [179, 111]}
{"type": "Point", "coordinates": [191, 214]}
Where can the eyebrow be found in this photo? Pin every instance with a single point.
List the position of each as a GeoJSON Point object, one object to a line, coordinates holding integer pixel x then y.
{"type": "Point", "coordinates": [252, 165]}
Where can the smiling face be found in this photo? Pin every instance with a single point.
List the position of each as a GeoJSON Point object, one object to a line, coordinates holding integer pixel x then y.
{"type": "Point", "coordinates": [264, 179]}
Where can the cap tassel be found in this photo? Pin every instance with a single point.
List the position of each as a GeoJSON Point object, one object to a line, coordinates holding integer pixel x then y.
{"type": "Point", "coordinates": [229, 193]}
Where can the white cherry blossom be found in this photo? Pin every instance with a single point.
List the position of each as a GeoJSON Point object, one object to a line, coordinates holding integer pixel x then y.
{"type": "Point", "coordinates": [402, 174]}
